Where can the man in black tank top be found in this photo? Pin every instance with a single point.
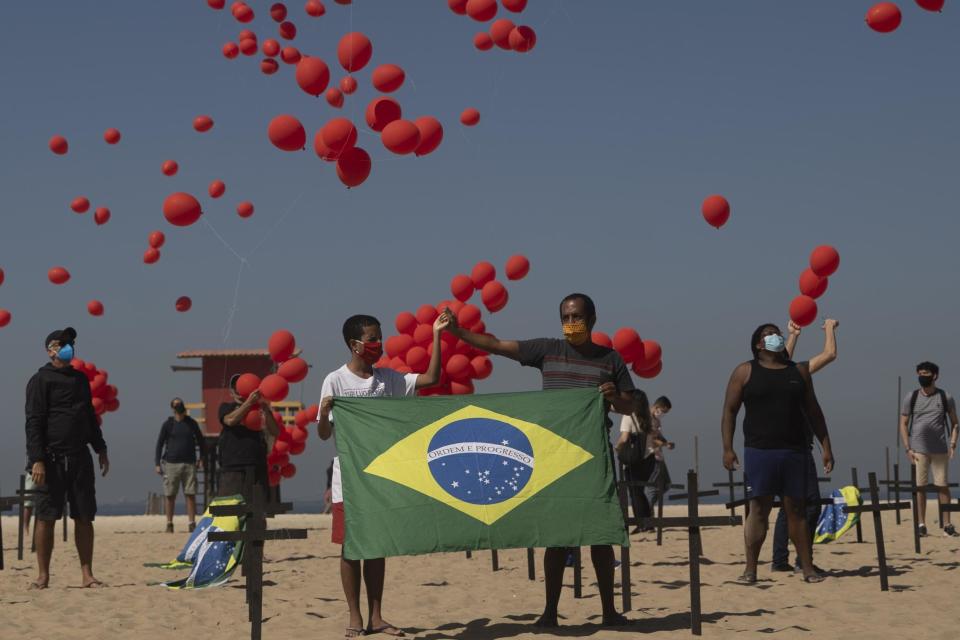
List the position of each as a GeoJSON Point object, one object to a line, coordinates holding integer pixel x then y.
{"type": "Point", "coordinates": [780, 403]}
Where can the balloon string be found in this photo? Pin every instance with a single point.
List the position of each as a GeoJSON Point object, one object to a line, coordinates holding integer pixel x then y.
{"type": "Point", "coordinates": [283, 216]}
{"type": "Point", "coordinates": [224, 242]}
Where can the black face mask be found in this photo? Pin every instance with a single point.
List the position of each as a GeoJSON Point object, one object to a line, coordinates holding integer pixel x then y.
{"type": "Point", "coordinates": [178, 408]}
{"type": "Point", "coordinates": [925, 381]}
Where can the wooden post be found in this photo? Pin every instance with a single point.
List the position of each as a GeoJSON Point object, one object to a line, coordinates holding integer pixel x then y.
{"type": "Point", "coordinates": [916, 511]}
{"type": "Point", "coordinates": [494, 560]}
{"type": "Point", "coordinates": [886, 454]}
{"type": "Point", "coordinates": [853, 473]}
{"type": "Point", "coordinates": [875, 507]}
{"type": "Point", "coordinates": [660, 519]}
{"type": "Point", "coordinates": [896, 488]}
{"type": "Point", "coordinates": [20, 519]}
{"type": "Point", "coordinates": [531, 565]}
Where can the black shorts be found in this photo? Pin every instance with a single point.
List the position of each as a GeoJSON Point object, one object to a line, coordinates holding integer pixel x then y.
{"type": "Point", "coordinates": [69, 478]}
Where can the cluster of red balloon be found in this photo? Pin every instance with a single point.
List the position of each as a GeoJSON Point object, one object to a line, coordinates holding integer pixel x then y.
{"type": "Point", "coordinates": [104, 396]}
{"type": "Point", "coordinates": [645, 357]}
{"type": "Point", "coordinates": [824, 261]}
{"type": "Point", "coordinates": [155, 240]}
{"type": "Point", "coordinates": [411, 349]}
{"type": "Point", "coordinates": [885, 17]}
{"type": "Point", "coordinates": [503, 32]}
{"type": "Point", "coordinates": [80, 204]}
{"type": "Point", "coordinates": [291, 369]}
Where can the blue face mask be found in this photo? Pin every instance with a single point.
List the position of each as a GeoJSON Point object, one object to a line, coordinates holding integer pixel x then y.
{"type": "Point", "coordinates": [65, 354]}
{"type": "Point", "coordinates": [773, 343]}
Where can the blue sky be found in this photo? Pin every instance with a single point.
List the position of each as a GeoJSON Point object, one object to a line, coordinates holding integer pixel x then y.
{"type": "Point", "coordinates": [592, 157]}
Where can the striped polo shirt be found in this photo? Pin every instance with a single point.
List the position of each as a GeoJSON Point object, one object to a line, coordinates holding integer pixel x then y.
{"type": "Point", "coordinates": [563, 367]}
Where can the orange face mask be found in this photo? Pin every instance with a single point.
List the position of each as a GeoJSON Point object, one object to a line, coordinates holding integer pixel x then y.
{"type": "Point", "coordinates": [576, 333]}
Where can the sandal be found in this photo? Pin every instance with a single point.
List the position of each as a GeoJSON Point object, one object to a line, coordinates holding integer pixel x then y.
{"type": "Point", "coordinates": [353, 632]}
{"type": "Point", "coordinates": [387, 629]}
{"type": "Point", "coordinates": [813, 579]}
{"type": "Point", "coordinates": [748, 578]}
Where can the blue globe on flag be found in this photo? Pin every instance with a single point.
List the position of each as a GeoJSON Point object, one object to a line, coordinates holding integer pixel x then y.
{"type": "Point", "coordinates": [480, 460]}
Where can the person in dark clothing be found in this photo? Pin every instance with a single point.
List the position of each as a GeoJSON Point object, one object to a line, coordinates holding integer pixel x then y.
{"type": "Point", "coordinates": [780, 403]}
{"type": "Point", "coordinates": [176, 460]}
{"type": "Point", "coordinates": [60, 424]}
{"type": "Point", "coordinates": [241, 447]}
{"type": "Point", "coordinates": [571, 363]}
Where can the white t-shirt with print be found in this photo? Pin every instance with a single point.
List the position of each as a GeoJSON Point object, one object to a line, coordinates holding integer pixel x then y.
{"type": "Point", "coordinates": [344, 383]}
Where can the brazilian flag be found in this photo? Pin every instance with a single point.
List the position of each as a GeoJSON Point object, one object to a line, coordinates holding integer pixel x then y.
{"type": "Point", "coordinates": [500, 471]}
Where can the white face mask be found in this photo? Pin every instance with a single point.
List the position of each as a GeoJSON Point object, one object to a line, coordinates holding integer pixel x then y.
{"type": "Point", "coordinates": [773, 343]}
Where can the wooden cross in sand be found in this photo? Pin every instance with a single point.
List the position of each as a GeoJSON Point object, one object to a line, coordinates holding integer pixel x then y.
{"type": "Point", "coordinates": [875, 507]}
{"type": "Point", "coordinates": [693, 521]}
{"type": "Point", "coordinates": [253, 535]}
{"type": "Point", "coordinates": [6, 504]}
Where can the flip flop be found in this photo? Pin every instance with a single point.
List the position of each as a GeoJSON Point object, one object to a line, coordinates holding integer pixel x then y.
{"type": "Point", "coordinates": [95, 584]}
{"type": "Point", "coordinates": [387, 629]}
{"type": "Point", "coordinates": [815, 578]}
{"type": "Point", "coordinates": [748, 578]}
{"type": "Point", "coordinates": [353, 632]}
{"type": "Point", "coordinates": [36, 586]}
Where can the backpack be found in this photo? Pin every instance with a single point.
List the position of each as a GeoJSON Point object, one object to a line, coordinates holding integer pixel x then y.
{"type": "Point", "coordinates": [943, 403]}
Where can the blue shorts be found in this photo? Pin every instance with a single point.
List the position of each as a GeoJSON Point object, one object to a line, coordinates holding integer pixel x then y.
{"type": "Point", "coordinates": [776, 472]}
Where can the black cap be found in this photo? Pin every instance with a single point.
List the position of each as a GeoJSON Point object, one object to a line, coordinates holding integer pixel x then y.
{"type": "Point", "coordinates": [63, 336]}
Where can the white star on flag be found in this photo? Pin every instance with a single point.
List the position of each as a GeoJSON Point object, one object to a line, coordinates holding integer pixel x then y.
{"type": "Point", "coordinates": [454, 484]}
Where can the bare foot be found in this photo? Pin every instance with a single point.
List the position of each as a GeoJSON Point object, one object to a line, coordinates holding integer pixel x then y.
{"type": "Point", "coordinates": [92, 583]}
{"type": "Point", "coordinates": [39, 583]}
{"type": "Point", "coordinates": [547, 621]}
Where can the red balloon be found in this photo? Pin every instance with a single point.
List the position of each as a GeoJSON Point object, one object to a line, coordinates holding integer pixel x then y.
{"type": "Point", "coordinates": [931, 5]}
{"type": "Point", "coordinates": [95, 308]}
{"type": "Point", "coordinates": [183, 304]}
{"type": "Point", "coordinates": [98, 406]}
{"type": "Point", "coordinates": [5, 317]}
{"type": "Point", "coordinates": [270, 47]}
{"type": "Point", "coordinates": [482, 273]}
{"type": "Point", "coordinates": [216, 189]}
{"type": "Point", "coordinates": [500, 32]}
{"type": "Point", "coordinates": [321, 149]}
{"type": "Point", "coordinates": [431, 134]}
{"type": "Point", "coordinates": [278, 11]}
{"type": "Point", "coordinates": [2, 276]}
{"type": "Point", "coordinates": [482, 41]}
{"type": "Point", "coordinates": [381, 112]}
{"type": "Point", "coordinates": [423, 333]}
{"type": "Point", "coordinates": [246, 34]}
{"type": "Point", "coordinates": [58, 275]}
{"type": "Point", "coordinates": [406, 323]}
{"type": "Point", "coordinates": [269, 66]}
{"type": "Point", "coordinates": [216, 4]}
{"type": "Point", "coordinates": [302, 419]}
{"type": "Point", "coordinates": [80, 204]}
{"type": "Point", "coordinates": [602, 339]}
{"type": "Point", "coordinates": [348, 84]}
{"type": "Point", "coordinates": [653, 372]}
{"type": "Point", "coordinates": [651, 355]}
{"type": "Point", "coordinates": [401, 137]}
{"type": "Point", "coordinates": [426, 314]}
{"type": "Point", "coordinates": [514, 5]}
{"type": "Point", "coordinates": [248, 46]}
{"type": "Point", "coordinates": [274, 387]}
{"type": "Point", "coordinates": [290, 55]}
{"type": "Point", "coordinates": [353, 166]}
{"type": "Point", "coordinates": [417, 359]}
{"type": "Point", "coordinates": [156, 239]}
{"type": "Point", "coordinates": [339, 134]}
{"type": "Point", "coordinates": [458, 6]}
{"type": "Point", "coordinates": [253, 420]}
{"type": "Point", "coordinates": [111, 136]}
{"type": "Point", "coordinates": [523, 39]}
{"type": "Point", "coordinates": [812, 285]}
{"type": "Point", "coordinates": [803, 310]}
{"type": "Point", "coordinates": [628, 344]}
{"type": "Point", "coordinates": [247, 383]}
{"type": "Point", "coordinates": [203, 123]}
{"type": "Point", "coordinates": [151, 255]}
{"type": "Point", "coordinates": [482, 367]}
{"type": "Point", "coordinates": [458, 368]}
{"type": "Point", "coordinates": [334, 97]}
{"type": "Point", "coordinates": [101, 215]}
{"type": "Point", "coordinates": [230, 50]}
{"type": "Point", "coordinates": [517, 267]}
{"type": "Point", "coordinates": [273, 478]}
{"type": "Point", "coordinates": [169, 167]}
{"type": "Point", "coordinates": [315, 8]}
{"type": "Point", "coordinates": [824, 261]}
{"type": "Point", "coordinates": [58, 144]}
{"type": "Point", "coordinates": [343, 1]}
{"type": "Point", "coordinates": [884, 17]}
{"type": "Point", "coordinates": [469, 316]}
{"type": "Point", "coordinates": [296, 448]}
{"type": "Point", "coordinates": [288, 30]}
{"type": "Point", "coordinates": [481, 10]}
{"type": "Point", "coordinates": [354, 51]}
{"type": "Point", "coordinates": [288, 470]}
{"type": "Point", "coordinates": [281, 345]}
{"type": "Point", "coordinates": [245, 209]}
{"type": "Point", "coordinates": [397, 346]}
{"type": "Point", "coordinates": [470, 117]}
{"type": "Point", "coordinates": [242, 12]}
{"type": "Point", "coordinates": [462, 287]}
{"type": "Point", "coordinates": [298, 434]}
{"type": "Point", "coordinates": [286, 133]}
{"type": "Point", "coordinates": [458, 388]}
{"type": "Point", "coordinates": [181, 209]}
{"type": "Point", "coordinates": [387, 78]}
{"type": "Point", "coordinates": [494, 296]}
{"type": "Point", "coordinates": [312, 75]}
{"type": "Point", "coordinates": [716, 210]}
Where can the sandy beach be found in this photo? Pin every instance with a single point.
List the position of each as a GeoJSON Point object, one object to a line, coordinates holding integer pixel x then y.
{"type": "Point", "coordinates": [448, 596]}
